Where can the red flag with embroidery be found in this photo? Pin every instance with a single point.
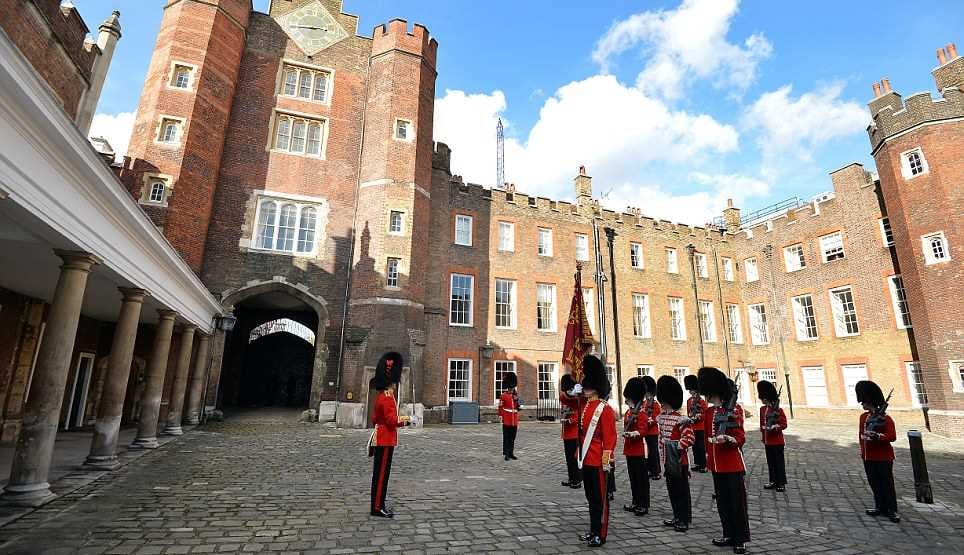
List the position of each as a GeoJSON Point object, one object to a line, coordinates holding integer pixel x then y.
{"type": "Point", "coordinates": [579, 338]}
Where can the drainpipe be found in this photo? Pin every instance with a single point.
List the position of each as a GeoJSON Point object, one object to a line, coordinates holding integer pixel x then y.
{"type": "Point", "coordinates": [778, 313]}
{"type": "Point", "coordinates": [691, 249]}
{"type": "Point", "coordinates": [610, 235]}
{"type": "Point", "coordinates": [600, 279]}
{"type": "Point", "coordinates": [725, 328]}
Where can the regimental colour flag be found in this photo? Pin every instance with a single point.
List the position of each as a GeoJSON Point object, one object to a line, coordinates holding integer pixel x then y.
{"type": "Point", "coordinates": [579, 340]}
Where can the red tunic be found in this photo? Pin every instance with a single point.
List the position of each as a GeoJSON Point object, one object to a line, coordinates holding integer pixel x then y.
{"type": "Point", "coordinates": [508, 410]}
{"type": "Point", "coordinates": [634, 446]}
{"type": "Point", "coordinates": [672, 427]}
{"type": "Point", "coordinates": [690, 411]}
{"type": "Point", "coordinates": [652, 429]}
{"type": "Point", "coordinates": [604, 438]}
{"type": "Point", "coordinates": [570, 425]}
{"type": "Point", "coordinates": [877, 449]}
{"type": "Point", "coordinates": [725, 457]}
{"type": "Point", "coordinates": [772, 437]}
{"type": "Point", "coordinates": [386, 420]}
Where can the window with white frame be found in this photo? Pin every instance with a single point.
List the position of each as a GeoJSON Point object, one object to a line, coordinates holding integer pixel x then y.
{"type": "Point", "coordinates": [956, 370]}
{"type": "Point", "coordinates": [677, 325]}
{"type": "Point", "coordinates": [913, 163]}
{"type": "Point", "coordinates": [181, 76]}
{"type": "Point", "coordinates": [403, 130]}
{"type": "Point", "coordinates": [768, 374]}
{"type": "Point", "coordinates": [804, 318]}
{"type": "Point", "coordinates": [156, 191]}
{"type": "Point", "coordinates": [727, 268]}
{"type": "Point", "coordinates": [935, 248]}
{"type": "Point", "coordinates": [636, 256]}
{"type": "Point", "coordinates": [886, 233]}
{"type": "Point", "coordinates": [707, 321]}
{"type": "Point", "coordinates": [815, 386]}
{"type": "Point", "coordinates": [641, 325]}
{"type": "Point", "coordinates": [502, 367]}
{"type": "Point", "coordinates": [505, 303]}
{"type": "Point", "coordinates": [463, 230]}
{"type": "Point", "coordinates": [506, 236]}
{"type": "Point", "coordinates": [396, 223]}
{"type": "Point", "coordinates": [680, 372]}
{"type": "Point", "coordinates": [305, 83]}
{"type": "Point", "coordinates": [460, 379]}
{"type": "Point", "coordinates": [582, 247]}
{"type": "Point", "coordinates": [702, 271]}
{"type": "Point", "coordinates": [299, 135]}
{"type": "Point", "coordinates": [672, 262]}
{"type": "Point", "coordinates": [751, 269]}
{"type": "Point", "coordinates": [545, 242]}
{"type": "Point", "coordinates": [915, 380]}
{"type": "Point", "coordinates": [852, 373]}
{"type": "Point", "coordinates": [831, 246]}
{"type": "Point", "coordinates": [286, 226]}
{"type": "Point", "coordinates": [644, 370]}
{"type": "Point", "coordinates": [844, 312]}
{"type": "Point", "coordinates": [759, 330]}
{"type": "Point", "coordinates": [170, 131]}
{"type": "Point", "coordinates": [734, 323]}
{"type": "Point", "coordinates": [587, 300]}
{"type": "Point", "coordinates": [899, 297]}
{"type": "Point", "coordinates": [793, 258]}
{"type": "Point", "coordinates": [391, 272]}
{"type": "Point", "coordinates": [460, 311]}
{"type": "Point", "coordinates": [547, 381]}
{"type": "Point", "coordinates": [545, 307]}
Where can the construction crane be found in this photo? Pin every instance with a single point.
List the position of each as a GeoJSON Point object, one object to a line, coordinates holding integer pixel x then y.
{"type": "Point", "coordinates": [499, 155]}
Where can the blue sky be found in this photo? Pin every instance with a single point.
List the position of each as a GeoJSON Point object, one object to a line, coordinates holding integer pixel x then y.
{"type": "Point", "coordinates": [673, 105]}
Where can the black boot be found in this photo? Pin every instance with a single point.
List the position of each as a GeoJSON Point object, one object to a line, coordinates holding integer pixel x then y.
{"type": "Point", "coordinates": [595, 541]}
{"type": "Point", "coordinates": [722, 542]}
{"type": "Point", "coordinates": [629, 508]}
{"type": "Point", "coordinates": [739, 548]}
{"type": "Point", "coordinates": [383, 513]}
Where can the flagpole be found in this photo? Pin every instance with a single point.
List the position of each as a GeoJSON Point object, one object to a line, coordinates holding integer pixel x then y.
{"type": "Point", "coordinates": [600, 279]}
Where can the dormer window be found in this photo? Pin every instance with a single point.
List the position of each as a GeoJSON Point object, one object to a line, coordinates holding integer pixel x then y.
{"type": "Point", "coordinates": [169, 131]}
{"type": "Point", "coordinates": [157, 192]}
{"type": "Point", "coordinates": [913, 163]}
{"type": "Point", "coordinates": [181, 76]}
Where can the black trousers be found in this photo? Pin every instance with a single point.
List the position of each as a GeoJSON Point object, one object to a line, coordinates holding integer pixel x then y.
{"type": "Point", "coordinates": [594, 484]}
{"type": "Point", "coordinates": [572, 467]}
{"type": "Point", "coordinates": [731, 504]}
{"type": "Point", "coordinates": [381, 471]}
{"type": "Point", "coordinates": [699, 450]}
{"type": "Point", "coordinates": [652, 460]}
{"type": "Point", "coordinates": [880, 475]}
{"type": "Point", "coordinates": [508, 440]}
{"type": "Point", "coordinates": [638, 481]}
{"type": "Point", "coordinates": [679, 496]}
{"type": "Point", "coordinates": [776, 464]}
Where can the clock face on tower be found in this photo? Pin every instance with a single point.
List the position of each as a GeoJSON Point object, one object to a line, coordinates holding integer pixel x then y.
{"type": "Point", "coordinates": [312, 28]}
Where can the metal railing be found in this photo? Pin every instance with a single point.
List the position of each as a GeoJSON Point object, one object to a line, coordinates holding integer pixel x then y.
{"type": "Point", "coordinates": [547, 410]}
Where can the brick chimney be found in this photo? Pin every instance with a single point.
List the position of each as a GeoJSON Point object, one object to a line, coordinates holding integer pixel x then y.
{"type": "Point", "coordinates": [950, 71]}
{"type": "Point", "coordinates": [583, 185]}
{"type": "Point", "coordinates": [731, 217]}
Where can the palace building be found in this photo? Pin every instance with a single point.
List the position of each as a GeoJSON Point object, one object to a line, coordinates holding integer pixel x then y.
{"type": "Point", "coordinates": [282, 177]}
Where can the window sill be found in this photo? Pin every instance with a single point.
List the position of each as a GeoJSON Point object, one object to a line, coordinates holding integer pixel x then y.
{"type": "Point", "coordinates": [808, 340]}
{"type": "Point", "coordinates": [325, 102]}
{"type": "Point", "coordinates": [642, 337]}
{"type": "Point", "coordinates": [454, 325]}
{"type": "Point", "coordinates": [298, 154]}
{"type": "Point", "coordinates": [795, 270]}
{"type": "Point", "coordinates": [936, 262]}
{"type": "Point", "coordinates": [462, 245]}
{"type": "Point", "coordinates": [506, 328]}
{"type": "Point", "coordinates": [847, 335]}
{"type": "Point", "coordinates": [547, 332]}
{"type": "Point", "coordinates": [638, 268]}
{"type": "Point", "coordinates": [153, 204]}
{"type": "Point", "coordinates": [284, 253]}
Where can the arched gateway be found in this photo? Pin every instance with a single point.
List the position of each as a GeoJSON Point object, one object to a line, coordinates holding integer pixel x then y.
{"type": "Point", "coordinates": [274, 369]}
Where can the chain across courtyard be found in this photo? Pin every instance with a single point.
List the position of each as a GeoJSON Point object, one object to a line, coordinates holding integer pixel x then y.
{"type": "Point", "coordinates": [263, 482]}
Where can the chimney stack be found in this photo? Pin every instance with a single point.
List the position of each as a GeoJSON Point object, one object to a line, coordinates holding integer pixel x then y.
{"type": "Point", "coordinates": [951, 51]}
{"type": "Point", "coordinates": [941, 57]}
{"type": "Point", "coordinates": [885, 84]}
{"type": "Point", "coordinates": [949, 72]}
{"type": "Point", "coordinates": [876, 89]}
{"type": "Point", "coordinates": [583, 185]}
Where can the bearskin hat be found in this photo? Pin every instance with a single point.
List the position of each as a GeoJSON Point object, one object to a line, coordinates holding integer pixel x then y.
{"type": "Point", "coordinates": [670, 392]}
{"type": "Point", "coordinates": [692, 383]}
{"type": "Point", "coordinates": [635, 389]}
{"type": "Point", "coordinates": [869, 392]}
{"type": "Point", "coordinates": [713, 382]}
{"type": "Point", "coordinates": [594, 376]}
{"type": "Point", "coordinates": [766, 391]}
{"type": "Point", "coordinates": [509, 380]}
{"type": "Point", "coordinates": [650, 384]}
{"type": "Point", "coordinates": [566, 383]}
{"type": "Point", "coordinates": [389, 370]}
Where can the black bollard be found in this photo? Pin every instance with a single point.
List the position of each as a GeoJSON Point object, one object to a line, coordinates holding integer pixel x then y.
{"type": "Point", "coordinates": [922, 482]}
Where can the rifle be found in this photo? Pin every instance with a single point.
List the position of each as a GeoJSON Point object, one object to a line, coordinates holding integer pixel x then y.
{"type": "Point", "coordinates": [724, 419]}
{"type": "Point", "coordinates": [773, 416]}
{"type": "Point", "coordinates": [878, 416]}
{"type": "Point", "coordinates": [695, 413]}
{"type": "Point", "coordinates": [634, 417]}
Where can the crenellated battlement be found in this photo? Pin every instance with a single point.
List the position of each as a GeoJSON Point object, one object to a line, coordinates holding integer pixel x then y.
{"type": "Point", "coordinates": [396, 36]}
{"type": "Point", "coordinates": [893, 114]}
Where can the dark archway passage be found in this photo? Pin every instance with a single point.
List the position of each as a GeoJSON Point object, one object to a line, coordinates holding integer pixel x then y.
{"type": "Point", "coordinates": [276, 372]}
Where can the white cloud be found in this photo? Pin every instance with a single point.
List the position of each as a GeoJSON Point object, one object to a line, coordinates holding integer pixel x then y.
{"type": "Point", "coordinates": [688, 41]}
{"type": "Point", "coordinates": [793, 128]}
{"type": "Point", "coordinates": [116, 128]}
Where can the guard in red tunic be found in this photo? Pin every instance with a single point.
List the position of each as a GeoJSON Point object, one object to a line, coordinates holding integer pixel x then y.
{"type": "Point", "coordinates": [598, 433]}
{"type": "Point", "coordinates": [572, 402]}
{"type": "Point", "coordinates": [772, 423]}
{"type": "Point", "coordinates": [634, 446]}
{"type": "Point", "coordinates": [509, 406]}
{"type": "Point", "coordinates": [723, 423]}
{"type": "Point", "coordinates": [695, 409]}
{"type": "Point", "coordinates": [384, 437]}
{"type": "Point", "coordinates": [876, 435]}
{"type": "Point", "coordinates": [651, 410]}
{"type": "Point", "coordinates": [675, 437]}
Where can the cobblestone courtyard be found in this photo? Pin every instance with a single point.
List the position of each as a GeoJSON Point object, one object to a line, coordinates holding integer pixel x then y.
{"type": "Point", "coordinates": [263, 482]}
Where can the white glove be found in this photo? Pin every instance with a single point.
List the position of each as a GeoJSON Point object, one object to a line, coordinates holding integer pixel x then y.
{"type": "Point", "coordinates": [577, 389]}
{"type": "Point", "coordinates": [413, 422]}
